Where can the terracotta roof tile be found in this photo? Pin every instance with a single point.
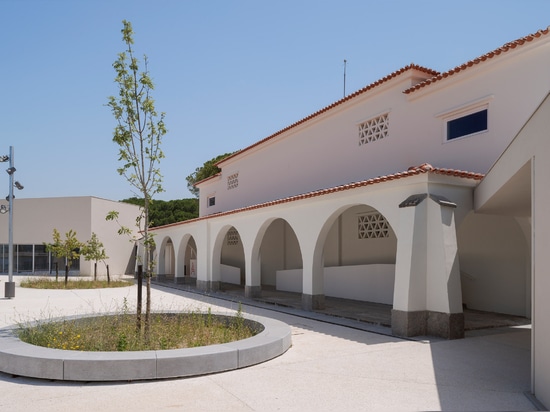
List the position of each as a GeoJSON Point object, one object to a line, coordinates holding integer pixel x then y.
{"type": "Point", "coordinates": [371, 86]}
{"type": "Point", "coordinates": [503, 49]}
{"type": "Point", "coordinates": [411, 171]}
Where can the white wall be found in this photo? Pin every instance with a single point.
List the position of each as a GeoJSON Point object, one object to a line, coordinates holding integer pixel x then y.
{"type": "Point", "coordinates": [35, 219]}
{"type": "Point", "coordinates": [233, 255]}
{"type": "Point", "coordinates": [279, 250]}
{"type": "Point", "coordinates": [343, 247]}
{"type": "Point", "coordinates": [494, 261]}
{"type": "Point", "coordinates": [324, 151]}
{"type": "Point", "coordinates": [368, 283]}
{"type": "Point", "coordinates": [531, 147]}
{"type": "Point", "coordinates": [119, 248]}
{"type": "Point", "coordinates": [230, 274]}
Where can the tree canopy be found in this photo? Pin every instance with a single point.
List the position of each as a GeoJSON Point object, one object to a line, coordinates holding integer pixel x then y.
{"type": "Point", "coordinates": [208, 169]}
{"type": "Point", "coordinates": [163, 212]}
{"type": "Point", "coordinates": [94, 250]}
{"type": "Point", "coordinates": [69, 248]}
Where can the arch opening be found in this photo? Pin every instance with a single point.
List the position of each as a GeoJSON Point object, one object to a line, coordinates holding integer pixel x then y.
{"type": "Point", "coordinates": [359, 253]}
{"type": "Point", "coordinates": [281, 258]}
{"type": "Point", "coordinates": [186, 266]}
{"type": "Point", "coordinates": [166, 260]}
{"type": "Point", "coordinates": [231, 261]}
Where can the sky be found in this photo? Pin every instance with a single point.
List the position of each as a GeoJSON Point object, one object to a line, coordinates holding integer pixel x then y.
{"type": "Point", "coordinates": [227, 73]}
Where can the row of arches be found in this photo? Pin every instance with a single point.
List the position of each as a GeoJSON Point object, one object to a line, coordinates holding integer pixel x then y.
{"type": "Point", "coordinates": [358, 250]}
{"type": "Point", "coordinates": [427, 254]}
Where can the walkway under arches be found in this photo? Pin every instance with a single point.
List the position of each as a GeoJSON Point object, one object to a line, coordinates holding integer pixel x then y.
{"type": "Point", "coordinates": [378, 241]}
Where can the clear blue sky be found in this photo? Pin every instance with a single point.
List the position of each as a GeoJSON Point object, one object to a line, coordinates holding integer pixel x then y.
{"type": "Point", "coordinates": [227, 73]}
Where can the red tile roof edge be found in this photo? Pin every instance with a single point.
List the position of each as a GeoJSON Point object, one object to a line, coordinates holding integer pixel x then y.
{"type": "Point", "coordinates": [208, 178]}
{"type": "Point", "coordinates": [503, 49]}
{"type": "Point", "coordinates": [385, 79]}
{"type": "Point", "coordinates": [411, 171]}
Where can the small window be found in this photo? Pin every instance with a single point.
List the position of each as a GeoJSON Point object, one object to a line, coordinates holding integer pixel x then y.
{"type": "Point", "coordinates": [211, 201]}
{"type": "Point", "coordinates": [467, 125]}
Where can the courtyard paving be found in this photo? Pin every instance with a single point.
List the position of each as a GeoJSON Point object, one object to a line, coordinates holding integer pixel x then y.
{"type": "Point", "coordinates": [334, 364]}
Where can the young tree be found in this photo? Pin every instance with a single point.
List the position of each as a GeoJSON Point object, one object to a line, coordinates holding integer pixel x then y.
{"type": "Point", "coordinates": [138, 134]}
{"type": "Point", "coordinates": [93, 250]}
{"type": "Point", "coordinates": [69, 249]}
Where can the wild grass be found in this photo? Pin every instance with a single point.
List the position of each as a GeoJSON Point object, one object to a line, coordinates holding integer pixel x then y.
{"type": "Point", "coordinates": [117, 332]}
{"type": "Point", "coordinates": [49, 283]}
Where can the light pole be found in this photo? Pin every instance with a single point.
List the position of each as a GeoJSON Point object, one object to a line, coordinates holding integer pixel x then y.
{"type": "Point", "coordinates": [9, 291]}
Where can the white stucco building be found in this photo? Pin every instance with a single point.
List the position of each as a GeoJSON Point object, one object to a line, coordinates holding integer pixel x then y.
{"type": "Point", "coordinates": [35, 219]}
{"type": "Point", "coordinates": [423, 190]}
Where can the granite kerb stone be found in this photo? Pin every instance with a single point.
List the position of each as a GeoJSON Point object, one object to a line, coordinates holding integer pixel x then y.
{"type": "Point", "coordinates": [23, 359]}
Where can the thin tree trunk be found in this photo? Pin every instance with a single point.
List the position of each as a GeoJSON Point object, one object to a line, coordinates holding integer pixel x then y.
{"type": "Point", "coordinates": [148, 309]}
{"type": "Point", "coordinates": [108, 277]}
{"type": "Point", "coordinates": [66, 274]}
{"type": "Point", "coordinates": [148, 273]}
{"type": "Point", "coordinates": [139, 297]}
{"type": "Point", "coordinates": [95, 271]}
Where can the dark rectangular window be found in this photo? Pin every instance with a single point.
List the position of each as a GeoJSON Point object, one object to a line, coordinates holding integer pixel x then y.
{"type": "Point", "coordinates": [23, 258]}
{"type": "Point", "coordinates": [41, 258]}
{"type": "Point", "coordinates": [463, 126]}
{"type": "Point", "coordinates": [211, 201]}
{"type": "Point", "coordinates": [4, 261]}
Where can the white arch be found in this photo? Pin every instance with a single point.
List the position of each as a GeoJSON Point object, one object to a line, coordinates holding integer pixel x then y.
{"type": "Point", "coordinates": [165, 257]}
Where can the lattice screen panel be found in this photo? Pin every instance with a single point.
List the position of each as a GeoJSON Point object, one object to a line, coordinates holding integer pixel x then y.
{"type": "Point", "coordinates": [232, 181]}
{"type": "Point", "coordinates": [373, 130]}
{"type": "Point", "coordinates": [373, 226]}
{"type": "Point", "coordinates": [232, 237]}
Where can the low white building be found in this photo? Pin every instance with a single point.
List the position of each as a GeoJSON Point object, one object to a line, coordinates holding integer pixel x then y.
{"type": "Point", "coordinates": [34, 221]}
{"type": "Point", "coordinates": [423, 190]}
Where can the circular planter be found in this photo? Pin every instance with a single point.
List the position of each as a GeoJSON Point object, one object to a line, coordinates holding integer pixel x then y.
{"type": "Point", "coordinates": [23, 359]}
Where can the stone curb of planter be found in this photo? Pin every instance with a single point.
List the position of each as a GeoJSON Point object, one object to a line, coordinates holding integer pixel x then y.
{"type": "Point", "coordinates": [22, 359]}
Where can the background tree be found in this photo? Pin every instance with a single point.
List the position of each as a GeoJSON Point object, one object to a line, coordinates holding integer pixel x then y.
{"type": "Point", "coordinates": [93, 250]}
{"type": "Point", "coordinates": [208, 169]}
{"type": "Point", "coordinates": [69, 249]}
{"type": "Point", "coordinates": [164, 212]}
{"type": "Point", "coordinates": [138, 134]}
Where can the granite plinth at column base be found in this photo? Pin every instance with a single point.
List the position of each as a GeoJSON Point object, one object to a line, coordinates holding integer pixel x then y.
{"type": "Point", "coordinates": [208, 285]}
{"type": "Point", "coordinates": [313, 302]}
{"type": "Point", "coordinates": [185, 280]}
{"type": "Point", "coordinates": [252, 292]}
{"type": "Point", "coordinates": [427, 323]}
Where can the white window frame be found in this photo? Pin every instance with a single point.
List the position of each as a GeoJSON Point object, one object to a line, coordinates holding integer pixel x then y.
{"type": "Point", "coordinates": [466, 109]}
{"type": "Point", "coordinates": [209, 199]}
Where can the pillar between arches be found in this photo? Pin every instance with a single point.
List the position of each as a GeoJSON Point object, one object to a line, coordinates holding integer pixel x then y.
{"type": "Point", "coordinates": [427, 296]}
{"type": "Point", "coordinates": [253, 287]}
{"type": "Point", "coordinates": [313, 283]}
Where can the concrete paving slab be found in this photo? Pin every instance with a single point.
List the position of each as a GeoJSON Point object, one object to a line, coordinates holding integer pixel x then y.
{"type": "Point", "coordinates": [329, 367]}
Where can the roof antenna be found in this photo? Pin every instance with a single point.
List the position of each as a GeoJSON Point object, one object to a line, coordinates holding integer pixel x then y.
{"type": "Point", "coordinates": [345, 62]}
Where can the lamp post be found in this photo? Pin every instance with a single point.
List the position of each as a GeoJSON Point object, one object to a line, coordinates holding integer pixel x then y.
{"type": "Point", "coordinates": [9, 291]}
